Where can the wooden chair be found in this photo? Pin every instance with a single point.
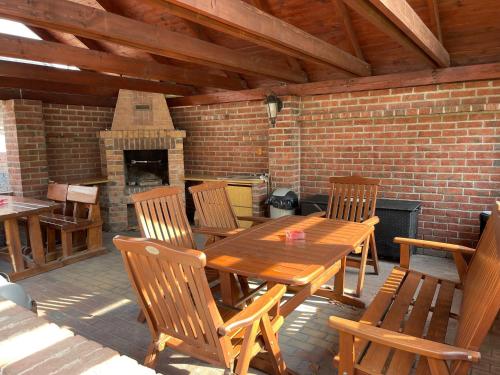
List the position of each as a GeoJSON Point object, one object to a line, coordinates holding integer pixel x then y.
{"type": "Point", "coordinates": [391, 333]}
{"type": "Point", "coordinates": [175, 297]}
{"type": "Point", "coordinates": [354, 199]}
{"type": "Point", "coordinates": [58, 193]}
{"type": "Point", "coordinates": [215, 211]}
{"type": "Point", "coordinates": [85, 216]}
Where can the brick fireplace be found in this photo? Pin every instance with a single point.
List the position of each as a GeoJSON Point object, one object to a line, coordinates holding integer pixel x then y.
{"type": "Point", "coordinates": [142, 150]}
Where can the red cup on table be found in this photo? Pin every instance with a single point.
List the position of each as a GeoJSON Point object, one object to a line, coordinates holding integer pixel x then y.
{"type": "Point", "coordinates": [295, 234]}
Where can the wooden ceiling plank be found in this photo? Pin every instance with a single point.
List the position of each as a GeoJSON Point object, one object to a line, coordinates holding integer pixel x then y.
{"type": "Point", "coordinates": [7, 93]}
{"type": "Point", "coordinates": [52, 52]}
{"type": "Point", "coordinates": [380, 82]}
{"type": "Point", "coordinates": [407, 20]}
{"type": "Point", "coordinates": [244, 21]}
{"type": "Point", "coordinates": [381, 22]}
{"type": "Point", "coordinates": [432, 5]}
{"type": "Point", "coordinates": [351, 34]}
{"type": "Point", "coordinates": [44, 73]}
{"type": "Point", "coordinates": [93, 23]}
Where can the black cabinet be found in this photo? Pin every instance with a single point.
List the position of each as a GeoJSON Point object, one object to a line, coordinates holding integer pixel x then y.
{"type": "Point", "coordinates": [398, 218]}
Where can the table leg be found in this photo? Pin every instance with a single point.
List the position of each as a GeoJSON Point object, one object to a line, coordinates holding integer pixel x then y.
{"type": "Point", "coordinates": [228, 288]}
{"type": "Point", "coordinates": [35, 234]}
{"type": "Point", "coordinates": [14, 244]}
{"type": "Point", "coordinates": [339, 285]}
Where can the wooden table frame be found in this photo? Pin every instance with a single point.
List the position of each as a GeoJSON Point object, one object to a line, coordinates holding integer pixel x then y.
{"type": "Point", "coordinates": [228, 257]}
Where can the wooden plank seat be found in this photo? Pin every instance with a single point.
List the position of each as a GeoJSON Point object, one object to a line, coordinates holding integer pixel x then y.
{"type": "Point", "coordinates": [81, 214]}
{"type": "Point", "coordinates": [409, 318]}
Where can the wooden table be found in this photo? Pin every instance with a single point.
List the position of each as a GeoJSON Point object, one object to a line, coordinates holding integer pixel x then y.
{"type": "Point", "coordinates": [263, 252]}
{"type": "Point", "coordinates": [11, 211]}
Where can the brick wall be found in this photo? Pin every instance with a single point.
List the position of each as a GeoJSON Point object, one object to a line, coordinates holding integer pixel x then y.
{"type": "Point", "coordinates": [72, 139]}
{"type": "Point", "coordinates": [224, 139]}
{"type": "Point", "coordinates": [438, 144]}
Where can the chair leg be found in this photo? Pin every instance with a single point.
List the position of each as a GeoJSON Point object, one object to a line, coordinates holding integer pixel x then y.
{"type": "Point", "coordinates": [151, 356]}
{"type": "Point", "coordinates": [246, 349]}
{"type": "Point", "coordinates": [362, 269]}
{"type": "Point", "coordinates": [67, 243]}
{"type": "Point", "coordinates": [437, 367]}
{"type": "Point", "coordinates": [271, 345]}
{"type": "Point", "coordinates": [374, 254]}
{"type": "Point", "coordinates": [346, 354]}
{"type": "Point", "coordinates": [141, 318]}
{"type": "Point", "coordinates": [94, 238]}
{"type": "Point", "coordinates": [51, 240]}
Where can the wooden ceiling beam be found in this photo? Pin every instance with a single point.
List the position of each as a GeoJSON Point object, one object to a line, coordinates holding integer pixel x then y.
{"type": "Point", "coordinates": [244, 21]}
{"type": "Point", "coordinates": [401, 14]}
{"type": "Point", "coordinates": [434, 17]}
{"type": "Point", "coordinates": [263, 5]}
{"type": "Point", "coordinates": [94, 23]}
{"type": "Point", "coordinates": [44, 73]}
{"type": "Point", "coordinates": [346, 20]}
{"type": "Point", "coordinates": [7, 93]}
{"type": "Point", "coordinates": [381, 22]}
{"type": "Point", "coordinates": [52, 52]}
{"type": "Point", "coordinates": [380, 82]}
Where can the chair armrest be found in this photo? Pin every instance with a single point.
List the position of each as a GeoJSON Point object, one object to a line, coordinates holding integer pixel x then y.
{"type": "Point", "coordinates": [372, 221]}
{"type": "Point", "coordinates": [255, 219]}
{"type": "Point", "coordinates": [318, 214]}
{"type": "Point", "coordinates": [217, 232]}
{"type": "Point", "coordinates": [435, 245]}
{"type": "Point", "coordinates": [254, 311]}
{"type": "Point", "coordinates": [403, 342]}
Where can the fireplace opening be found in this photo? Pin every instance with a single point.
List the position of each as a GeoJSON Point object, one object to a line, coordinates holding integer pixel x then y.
{"type": "Point", "coordinates": [146, 167]}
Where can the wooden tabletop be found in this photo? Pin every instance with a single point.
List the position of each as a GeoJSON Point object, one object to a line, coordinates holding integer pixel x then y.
{"type": "Point", "coordinates": [264, 253]}
{"type": "Point", "coordinates": [19, 206]}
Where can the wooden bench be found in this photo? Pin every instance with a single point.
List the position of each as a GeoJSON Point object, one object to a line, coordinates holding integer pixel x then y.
{"type": "Point", "coordinates": [85, 216]}
{"type": "Point", "coordinates": [410, 315]}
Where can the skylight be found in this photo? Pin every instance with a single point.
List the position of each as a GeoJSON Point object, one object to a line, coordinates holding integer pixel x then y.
{"type": "Point", "coordinates": [18, 29]}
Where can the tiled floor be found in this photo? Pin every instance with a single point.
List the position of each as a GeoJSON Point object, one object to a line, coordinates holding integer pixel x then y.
{"type": "Point", "coordinates": [93, 298]}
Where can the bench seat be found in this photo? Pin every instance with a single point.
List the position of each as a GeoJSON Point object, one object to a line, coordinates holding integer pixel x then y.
{"type": "Point", "coordinates": [406, 301]}
{"type": "Point", "coordinates": [66, 223]}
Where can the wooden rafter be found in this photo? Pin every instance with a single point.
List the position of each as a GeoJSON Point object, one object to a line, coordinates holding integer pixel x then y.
{"type": "Point", "coordinates": [44, 73]}
{"type": "Point", "coordinates": [381, 22]}
{"type": "Point", "coordinates": [53, 52]}
{"type": "Point", "coordinates": [434, 17]}
{"type": "Point", "coordinates": [93, 23]}
{"type": "Point", "coordinates": [346, 20]}
{"type": "Point", "coordinates": [263, 5]}
{"type": "Point", "coordinates": [244, 21]}
{"type": "Point", "coordinates": [407, 20]}
{"type": "Point", "coordinates": [419, 78]}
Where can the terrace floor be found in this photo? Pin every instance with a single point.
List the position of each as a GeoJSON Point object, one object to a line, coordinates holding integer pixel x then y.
{"type": "Point", "coordinates": [93, 298]}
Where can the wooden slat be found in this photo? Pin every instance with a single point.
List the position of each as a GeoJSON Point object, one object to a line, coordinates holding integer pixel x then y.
{"type": "Point", "coordinates": [402, 362]}
{"type": "Point", "coordinates": [376, 355]}
{"type": "Point", "coordinates": [397, 80]}
{"type": "Point", "coordinates": [51, 52]}
{"type": "Point", "coordinates": [93, 23]}
{"type": "Point", "coordinates": [242, 20]}
{"type": "Point", "coordinates": [404, 17]}
{"type": "Point", "coordinates": [44, 73]}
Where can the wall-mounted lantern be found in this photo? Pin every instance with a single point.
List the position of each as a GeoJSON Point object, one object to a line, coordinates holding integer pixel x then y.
{"type": "Point", "coordinates": [273, 106]}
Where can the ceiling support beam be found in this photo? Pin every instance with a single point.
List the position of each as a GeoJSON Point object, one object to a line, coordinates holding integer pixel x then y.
{"type": "Point", "coordinates": [434, 17]}
{"type": "Point", "coordinates": [44, 73]}
{"type": "Point", "coordinates": [244, 21]}
{"type": "Point", "coordinates": [401, 14]}
{"type": "Point", "coordinates": [380, 82]}
{"type": "Point", "coordinates": [52, 52]}
{"type": "Point", "coordinates": [381, 22]}
{"type": "Point", "coordinates": [96, 24]}
{"type": "Point", "coordinates": [346, 19]}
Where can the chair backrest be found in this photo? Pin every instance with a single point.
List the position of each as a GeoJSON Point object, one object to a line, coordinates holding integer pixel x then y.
{"type": "Point", "coordinates": [174, 294]}
{"type": "Point", "coordinates": [352, 198]}
{"type": "Point", "coordinates": [85, 200]}
{"type": "Point", "coordinates": [161, 215]}
{"type": "Point", "coordinates": [57, 192]}
{"type": "Point", "coordinates": [481, 290]}
{"type": "Point", "coordinates": [213, 206]}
